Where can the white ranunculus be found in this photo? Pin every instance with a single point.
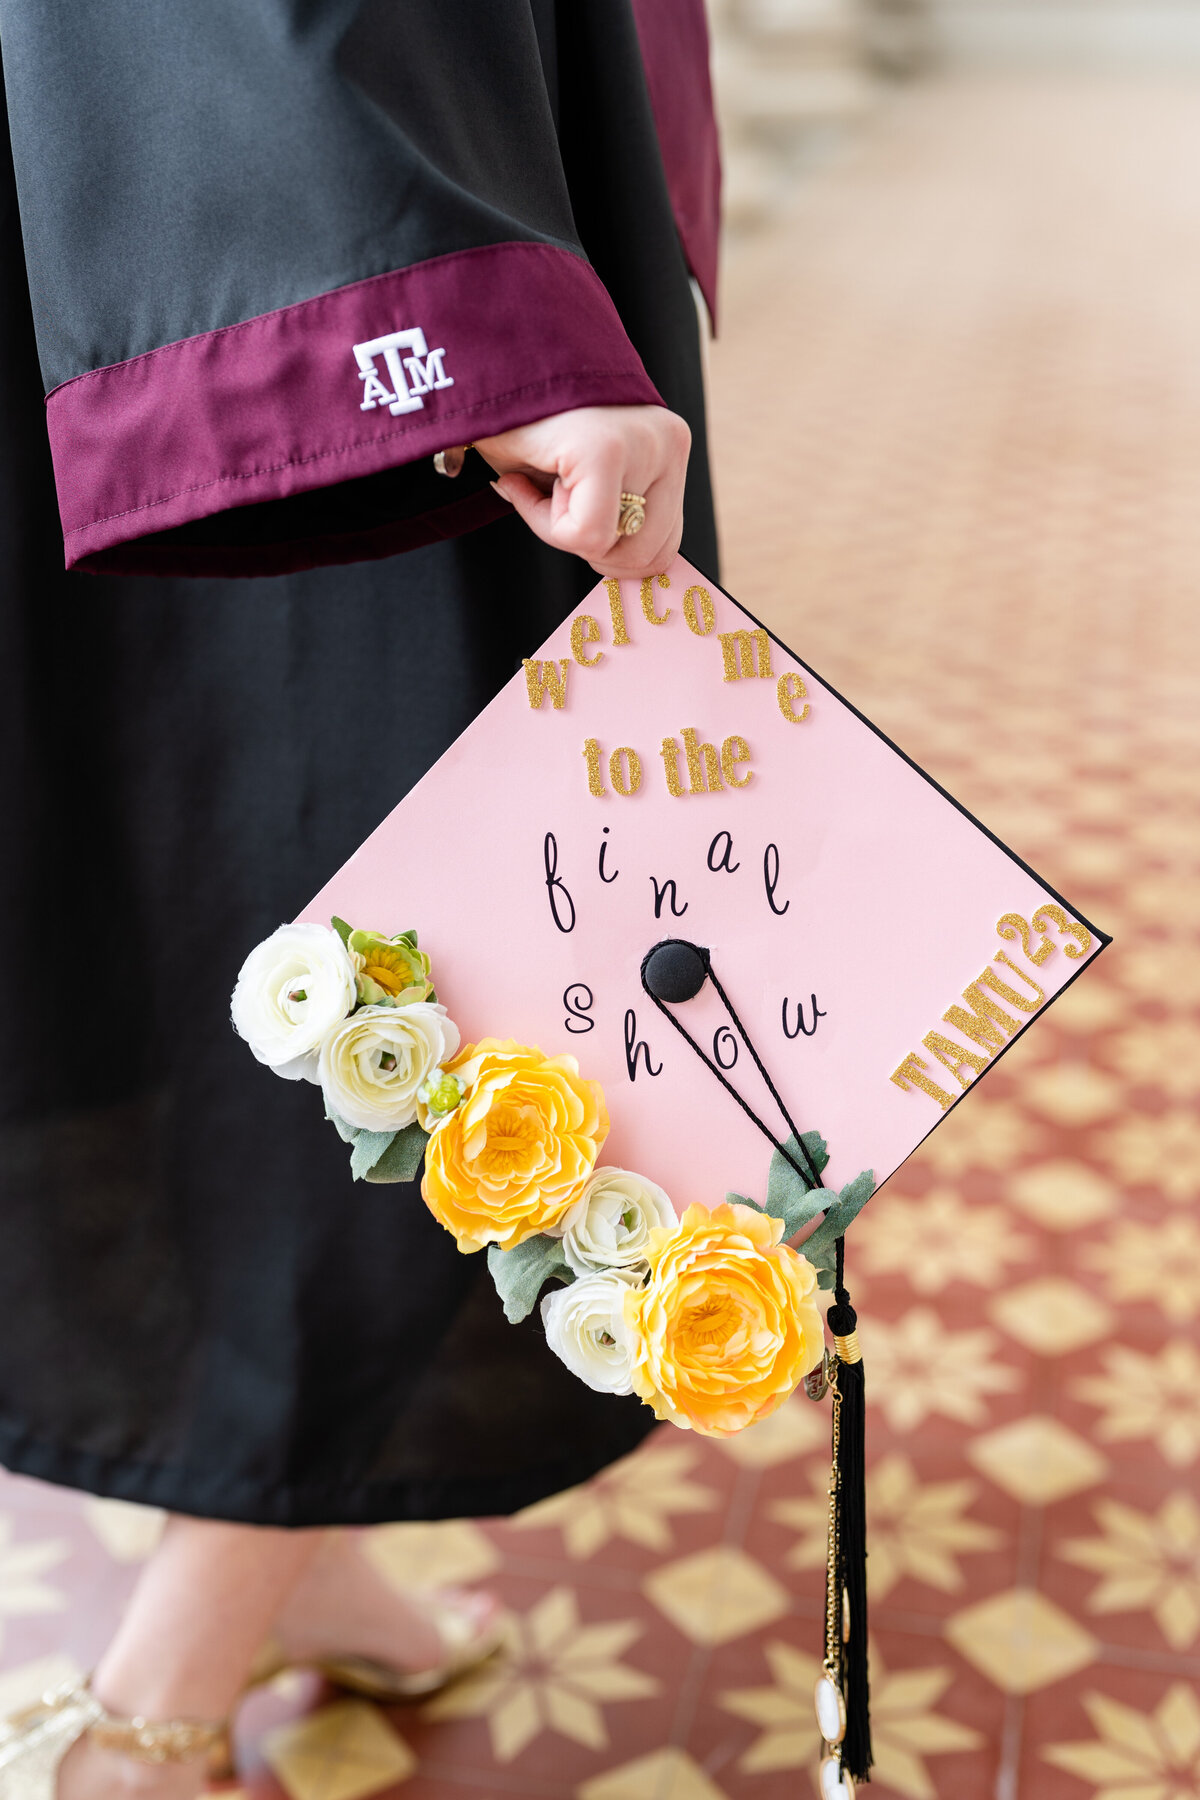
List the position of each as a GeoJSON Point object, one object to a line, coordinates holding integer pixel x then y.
{"type": "Point", "coordinates": [609, 1224]}
{"type": "Point", "coordinates": [586, 1329]}
{"type": "Point", "coordinates": [293, 988]}
{"type": "Point", "coordinates": [373, 1066]}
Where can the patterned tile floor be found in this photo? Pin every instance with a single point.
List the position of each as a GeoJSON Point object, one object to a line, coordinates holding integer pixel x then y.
{"type": "Point", "coordinates": [957, 412]}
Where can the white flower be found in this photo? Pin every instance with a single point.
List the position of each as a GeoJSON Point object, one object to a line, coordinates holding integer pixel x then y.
{"type": "Point", "coordinates": [293, 989]}
{"type": "Point", "coordinates": [609, 1224]}
{"type": "Point", "coordinates": [586, 1329]}
{"type": "Point", "coordinates": [372, 1067]}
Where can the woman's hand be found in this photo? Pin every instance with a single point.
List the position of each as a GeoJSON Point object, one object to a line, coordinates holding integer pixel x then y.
{"type": "Point", "coordinates": [565, 476]}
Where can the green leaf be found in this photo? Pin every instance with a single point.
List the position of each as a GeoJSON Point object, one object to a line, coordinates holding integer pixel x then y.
{"type": "Point", "coordinates": [342, 929]}
{"type": "Point", "coordinates": [791, 1194]}
{"type": "Point", "coordinates": [401, 1161]}
{"type": "Point", "coordinates": [840, 1211]}
{"type": "Point", "coordinates": [347, 1133]}
{"type": "Point", "coordinates": [521, 1273]}
{"type": "Point", "coordinates": [369, 1146]}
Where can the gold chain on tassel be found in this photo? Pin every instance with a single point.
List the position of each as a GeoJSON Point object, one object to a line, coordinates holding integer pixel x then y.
{"type": "Point", "coordinates": [833, 1610]}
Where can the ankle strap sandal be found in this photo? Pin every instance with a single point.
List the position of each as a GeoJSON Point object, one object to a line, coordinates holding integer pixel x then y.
{"type": "Point", "coordinates": [34, 1741]}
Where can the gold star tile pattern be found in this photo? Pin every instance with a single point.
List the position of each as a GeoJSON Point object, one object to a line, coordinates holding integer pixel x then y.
{"type": "Point", "coordinates": [1136, 1755]}
{"type": "Point", "coordinates": [1160, 968]}
{"type": "Point", "coordinates": [1157, 1263]}
{"type": "Point", "coordinates": [1062, 1194]}
{"type": "Point", "coordinates": [905, 1728]}
{"type": "Point", "coordinates": [342, 1752]}
{"type": "Point", "coordinates": [634, 1500]}
{"type": "Point", "coordinates": [1148, 1562]}
{"type": "Point", "coordinates": [22, 1565]}
{"type": "Point", "coordinates": [556, 1675]}
{"type": "Point", "coordinates": [717, 1594]}
{"type": "Point", "coordinates": [436, 1555]}
{"type": "Point", "coordinates": [1091, 1006]}
{"type": "Point", "coordinates": [1074, 1094]}
{"type": "Point", "coordinates": [1142, 1395]}
{"type": "Point", "coordinates": [1051, 1315]}
{"type": "Point", "coordinates": [913, 1528]}
{"type": "Point", "coordinates": [1165, 1054]}
{"type": "Point", "coordinates": [796, 1428]}
{"type": "Point", "coordinates": [988, 1134]}
{"type": "Point", "coordinates": [663, 1775]}
{"type": "Point", "coordinates": [1021, 1640]}
{"type": "Point", "coordinates": [129, 1533]}
{"type": "Point", "coordinates": [939, 1238]}
{"type": "Point", "coordinates": [1162, 1150]}
{"type": "Point", "coordinates": [1037, 1460]}
{"type": "Point", "coordinates": [918, 1368]}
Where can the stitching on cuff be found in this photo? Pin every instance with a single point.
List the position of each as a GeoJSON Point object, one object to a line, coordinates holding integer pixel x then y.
{"type": "Point", "coordinates": [300, 462]}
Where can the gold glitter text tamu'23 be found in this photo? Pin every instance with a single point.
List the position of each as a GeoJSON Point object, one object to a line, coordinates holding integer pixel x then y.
{"type": "Point", "coordinates": [992, 1013]}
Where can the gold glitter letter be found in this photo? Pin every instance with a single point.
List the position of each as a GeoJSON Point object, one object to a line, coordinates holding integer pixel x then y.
{"type": "Point", "coordinates": [788, 689]}
{"type": "Point", "coordinates": [648, 599]}
{"type": "Point", "coordinates": [625, 770]}
{"type": "Point", "coordinates": [591, 751]}
{"type": "Point", "coordinates": [704, 765]}
{"type": "Point", "coordinates": [1010, 994]}
{"type": "Point", "coordinates": [739, 650]}
{"type": "Point", "coordinates": [910, 1071]}
{"type": "Point", "coordinates": [616, 607]}
{"type": "Point", "coordinates": [547, 678]}
{"type": "Point", "coordinates": [976, 1024]}
{"type": "Point", "coordinates": [669, 751]}
{"type": "Point", "coordinates": [733, 751]}
{"type": "Point", "coordinates": [954, 1057]}
{"type": "Point", "coordinates": [585, 630]}
{"type": "Point", "coordinates": [707, 619]}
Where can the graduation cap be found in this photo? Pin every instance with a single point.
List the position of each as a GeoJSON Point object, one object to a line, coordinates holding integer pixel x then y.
{"type": "Point", "coordinates": [671, 956]}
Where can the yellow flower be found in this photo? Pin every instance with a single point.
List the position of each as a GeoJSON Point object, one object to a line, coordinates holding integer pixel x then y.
{"type": "Point", "coordinates": [391, 971]}
{"type": "Point", "coordinates": [727, 1324]}
{"type": "Point", "coordinates": [513, 1158]}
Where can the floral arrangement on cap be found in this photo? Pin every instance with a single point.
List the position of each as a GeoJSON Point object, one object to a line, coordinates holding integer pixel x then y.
{"type": "Point", "coordinates": [710, 1317]}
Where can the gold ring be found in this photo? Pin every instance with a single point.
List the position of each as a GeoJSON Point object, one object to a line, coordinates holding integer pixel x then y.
{"type": "Point", "coordinates": [632, 515]}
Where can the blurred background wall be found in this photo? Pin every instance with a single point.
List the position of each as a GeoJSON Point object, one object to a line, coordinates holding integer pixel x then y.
{"type": "Point", "coordinates": [794, 77]}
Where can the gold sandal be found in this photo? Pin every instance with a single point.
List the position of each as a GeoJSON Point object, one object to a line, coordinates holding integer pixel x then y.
{"type": "Point", "coordinates": [34, 1741]}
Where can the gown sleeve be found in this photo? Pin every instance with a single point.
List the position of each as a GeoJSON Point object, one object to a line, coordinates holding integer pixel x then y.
{"type": "Point", "coordinates": [282, 251]}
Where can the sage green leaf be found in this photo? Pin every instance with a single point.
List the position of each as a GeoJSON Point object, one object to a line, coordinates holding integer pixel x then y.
{"type": "Point", "coordinates": [347, 1133]}
{"type": "Point", "coordinates": [342, 929]}
{"type": "Point", "coordinates": [401, 1161]}
{"type": "Point", "coordinates": [791, 1195]}
{"type": "Point", "coordinates": [744, 1200]}
{"type": "Point", "coordinates": [840, 1211]}
{"type": "Point", "coordinates": [369, 1146]}
{"type": "Point", "coordinates": [521, 1273]}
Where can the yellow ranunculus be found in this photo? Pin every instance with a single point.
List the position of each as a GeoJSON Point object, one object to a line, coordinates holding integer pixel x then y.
{"type": "Point", "coordinates": [727, 1324]}
{"type": "Point", "coordinates": [513, 1158]}
{"type": "Point", "coordinates": [391, 971]}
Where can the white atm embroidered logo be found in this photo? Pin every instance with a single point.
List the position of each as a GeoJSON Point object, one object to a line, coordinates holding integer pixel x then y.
{"type": "Point", "coordinates": [424, 366]}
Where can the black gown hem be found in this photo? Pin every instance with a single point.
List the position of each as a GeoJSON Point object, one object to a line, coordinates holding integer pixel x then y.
{"type": "Point", "coordinates": [307, 1505]}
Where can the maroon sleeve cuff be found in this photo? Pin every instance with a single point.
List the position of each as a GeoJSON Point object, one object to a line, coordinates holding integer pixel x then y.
{"type": "Point", "coordinates": [347, 385]}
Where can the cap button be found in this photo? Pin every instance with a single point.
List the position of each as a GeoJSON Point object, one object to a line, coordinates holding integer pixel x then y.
{"type": "Point", "coordinates": [675, 971]}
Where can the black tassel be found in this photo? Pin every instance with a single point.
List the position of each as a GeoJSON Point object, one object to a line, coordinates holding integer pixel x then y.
{"type": "Point", "coordinates": [856, 1756]}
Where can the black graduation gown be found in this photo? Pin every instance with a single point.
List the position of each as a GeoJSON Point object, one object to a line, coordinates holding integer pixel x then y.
{"type": "Point", "coordinates": [274, 256]}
